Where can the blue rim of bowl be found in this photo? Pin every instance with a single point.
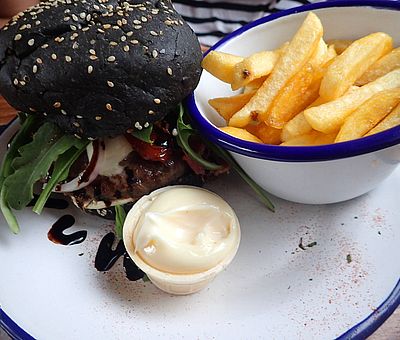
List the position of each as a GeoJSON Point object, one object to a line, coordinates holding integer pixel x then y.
{"type": "Point", "coordinates": [352, 148]}
{"type": "Point", "coordinates": [372, 322]}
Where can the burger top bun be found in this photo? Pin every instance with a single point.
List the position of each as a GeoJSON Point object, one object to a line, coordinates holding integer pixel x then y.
{"type": "Point", "coordinates": [98, 67]}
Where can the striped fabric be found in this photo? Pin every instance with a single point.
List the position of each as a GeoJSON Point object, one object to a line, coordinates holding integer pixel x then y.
{"type": "Point", "coordinates": [212, 19]}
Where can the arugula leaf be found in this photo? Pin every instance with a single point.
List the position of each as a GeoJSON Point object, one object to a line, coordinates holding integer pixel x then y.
{"type": "Point", "coordinates": [144, 134]}
{"type": "Point", "coordinates": [185, 131]}
{"type": "Point", "coordinates": [22, 137]}
{"type": "Point", "coordinates": [60, 173]}
{"type": "Point", "coordinates": [120, 216]}
{"type": "Point", "coordinates": [8, 214]}
{"type": "Point", "coordinates": [34, 163]}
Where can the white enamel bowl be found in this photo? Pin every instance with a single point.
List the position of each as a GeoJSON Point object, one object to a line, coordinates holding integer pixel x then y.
{"type": "Point", "coordinates": [317, 174]}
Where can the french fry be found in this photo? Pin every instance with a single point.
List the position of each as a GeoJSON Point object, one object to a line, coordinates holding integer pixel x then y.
{"type": "Point", "coordinates": [227, 106]}
{"type": "Point", "coordinates": [331, 53]}
{"type": "Point", "coordinates": [256, 66]}
{"type": "Point", "coordinates": [330, 116]}
{"type": "Point", "coordinates": [387, 63]}
{"type": "Point", "coordinates": [221, 65]}
{"type": "Point", "coordinates": [323, 138]}
{"type": "Point", "coordinates": [391, 120]}
{"type": "Point", "coordinates": [293, 98]}
{"type": "Point", "coordinates": [352, 63]}
{"type": "Point", "coordinates": [300, 91]}
{"type": "Point", "coordinates": [266, 133]}
{"type": "Point", "coordinates": [311, 138]}
{"type": "Point", "coordinates": [369, 114]}
{"type": "Point", "coordinates": [295, 56]}
{"type": "Point", "coordinates": [254, 85]}
{"type": "Point", "coordinates": [339, 44]}
{"type": "Point", "coordinates": [302, 140]}
{"type": "Point", "coordinates": [297, 126]}
{"type": "Point", "coordinates": [320, 55]}
{"type": "Point", "coordinates": [240, 133]}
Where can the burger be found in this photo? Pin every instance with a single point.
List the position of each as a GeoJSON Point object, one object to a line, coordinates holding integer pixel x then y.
{"type": "Point", "coordinates": [98, 84]}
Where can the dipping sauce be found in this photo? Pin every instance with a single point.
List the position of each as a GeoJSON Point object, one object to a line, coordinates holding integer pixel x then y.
{"type": "Point", "coordinates": [185, 230]}
{"type": "Point", "coordinates": [181, 237]}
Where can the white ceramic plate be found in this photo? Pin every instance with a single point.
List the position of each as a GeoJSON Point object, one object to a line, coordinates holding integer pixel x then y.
{"type": "Point", "coordinates": [272, 289]}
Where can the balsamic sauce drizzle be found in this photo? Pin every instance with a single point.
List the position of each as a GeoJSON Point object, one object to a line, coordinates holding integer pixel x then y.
{"type": "Point", "coordinates": [132, 272]}
{"type": "Point", "coordinates": [56, 233]}
{"type": "Point", "coordinates": [106, 257]}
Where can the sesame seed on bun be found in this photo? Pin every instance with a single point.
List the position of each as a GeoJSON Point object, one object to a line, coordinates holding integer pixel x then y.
{"type": "Point", "coordinates": [98, 67]}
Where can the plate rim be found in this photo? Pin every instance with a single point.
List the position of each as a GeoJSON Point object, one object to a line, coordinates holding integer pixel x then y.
{"type": "Point", "coordinates": [361, 330]}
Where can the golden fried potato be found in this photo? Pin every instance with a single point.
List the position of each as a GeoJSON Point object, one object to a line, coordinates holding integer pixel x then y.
{"type": "Point", "coordinates": [256, 66]}
{"type": "Point", "coordinates": [302, 140]}
{"type": "Point", "coordinates": [352, 63]}
{"type": "Point", "coordinates": [339, 44]}
{"type": "Point", "coordinates": [297, 126]}
{"type": "Point", "coordinates": [293, 98]}
{"type": "Point", "coordinates": [387, 63]}
{"type": "Point", "coordinates": [266, 133]}
{"type": "Point", "coordinates": [295, 56]}
{"type": "Point", "coordinates": [331, 53]}
{"type": "Point", "coordinates": [254, 85]}
{"type": "Point", "coordinates": [240, 133]}
{"type": "Point", "coordinates": [391, 120]}
{"type": "Point", "coordinates": [367, 115]}
{"type": "Point", "coordinates": [221, 65]}
{"type": "Point", "coordinates": [300, 91]}
{"type": "Point", "coordinates": [323, 138]}
{"type": "Point", "coordinates": [311, 138]}
{"type": "Point", "coordinates": [227, 106]}
{"type": "Point", "coordinates": [330, 116]}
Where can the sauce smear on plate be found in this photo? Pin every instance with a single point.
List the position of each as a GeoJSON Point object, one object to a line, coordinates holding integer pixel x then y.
{"type": "Point", "coordinates": [56, 233]}
{"type": "Point", "coordinates": [106, 257]}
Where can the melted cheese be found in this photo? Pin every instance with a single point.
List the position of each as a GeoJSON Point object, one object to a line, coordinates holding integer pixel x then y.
{"type": "Point", "coordinates": [116, 150]}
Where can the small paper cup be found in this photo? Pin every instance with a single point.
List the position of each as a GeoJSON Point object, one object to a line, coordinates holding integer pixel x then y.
{"type": "Point", "coordinates": [177, 284]}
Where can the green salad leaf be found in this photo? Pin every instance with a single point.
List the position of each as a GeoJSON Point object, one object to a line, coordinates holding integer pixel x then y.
{"type": "Point", "coordinates": [29, 159]}
{"type": "Point", "coordinates": [8, 213]}
{"type": "Point", "coordinates": [60, 173]}
{"type": "Point", "coordinates": [144, 134]}
{"type": "Point", "coordinates": [185, 131]}
{"type": "Point", "coordinates": [120, 216]}
{"type": "Point", "coordinates": [23, 136]}
{"type": "Point", "coordinates": [34, 163]}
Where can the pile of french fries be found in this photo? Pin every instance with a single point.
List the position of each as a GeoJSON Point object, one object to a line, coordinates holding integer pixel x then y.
{"type": "Point", "coordinates": [308, 91]}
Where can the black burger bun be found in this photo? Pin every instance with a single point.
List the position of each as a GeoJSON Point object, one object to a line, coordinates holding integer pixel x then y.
{"type": "Point", "coordinates": [98, 68]}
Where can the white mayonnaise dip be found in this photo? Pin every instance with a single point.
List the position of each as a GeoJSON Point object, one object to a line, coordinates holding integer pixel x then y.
{"type": "Point", "coordinates": [185, 230]}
